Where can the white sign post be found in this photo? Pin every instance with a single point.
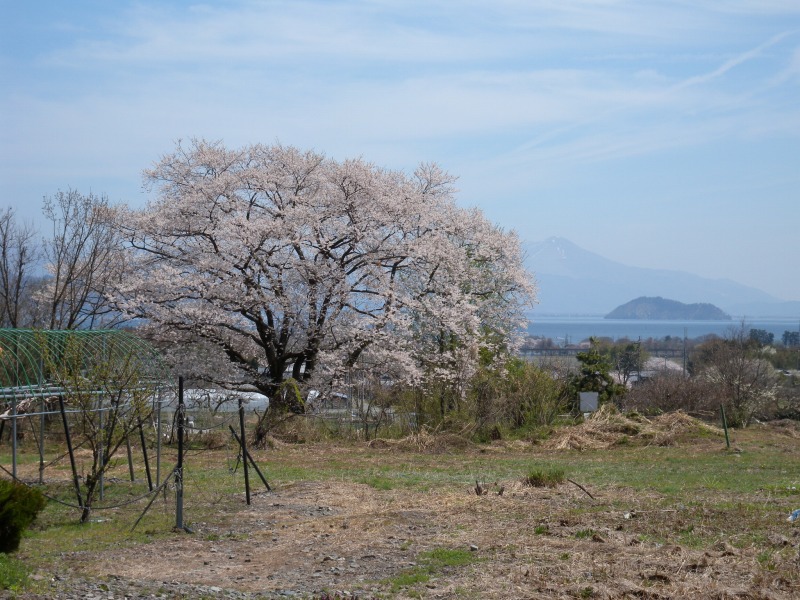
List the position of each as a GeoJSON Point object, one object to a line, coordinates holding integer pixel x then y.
{"type": "Point", "coordinates": [588, 401]}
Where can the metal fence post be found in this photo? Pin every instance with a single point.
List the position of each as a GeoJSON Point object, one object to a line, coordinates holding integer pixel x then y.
{"type": "Point", "coordinates": [243, 448]}
{"type": "Point", "coordinates": [179, 468]}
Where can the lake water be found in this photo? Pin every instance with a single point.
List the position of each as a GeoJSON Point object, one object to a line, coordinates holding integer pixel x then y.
{"type": "Point", "coordinates": [576, 329]}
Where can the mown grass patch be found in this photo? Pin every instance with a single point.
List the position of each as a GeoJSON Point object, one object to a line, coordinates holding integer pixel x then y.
{"type": "Point", "coordinates": [377, 482]}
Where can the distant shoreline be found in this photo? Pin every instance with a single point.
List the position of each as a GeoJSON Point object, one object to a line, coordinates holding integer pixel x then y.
{"type": "Point", "coordinates": [679, 319]}
{"type": "Point", "coordinates": [734, 318]}
{"type": "Point", "coordinates": [576, 328]}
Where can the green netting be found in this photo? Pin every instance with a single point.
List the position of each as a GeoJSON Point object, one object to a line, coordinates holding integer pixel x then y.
{"type": "Point", "coordinates": [28, 357]}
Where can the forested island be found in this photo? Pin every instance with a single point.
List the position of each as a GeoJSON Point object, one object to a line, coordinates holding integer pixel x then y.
{"type": "Point", "coordinates": [662, 309]}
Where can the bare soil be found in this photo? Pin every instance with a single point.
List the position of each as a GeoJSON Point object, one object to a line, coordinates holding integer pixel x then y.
{"type": "Point", "coordinates": [337, 538]}
{"type": "Point", "coordinates": [351, 539]}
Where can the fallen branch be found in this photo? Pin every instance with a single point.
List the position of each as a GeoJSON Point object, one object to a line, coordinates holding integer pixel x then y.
{"type": "Point", "coordinates": [583, 488]}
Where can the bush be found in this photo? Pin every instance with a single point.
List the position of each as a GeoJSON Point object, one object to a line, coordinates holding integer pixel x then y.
{"type": "Point", "coordinates": [19, 506]}
{"type": "Point", "coordinates": [669, 392]}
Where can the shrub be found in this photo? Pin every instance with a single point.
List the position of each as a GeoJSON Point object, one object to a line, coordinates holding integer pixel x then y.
{"type": "Point", "coordinates": [19, 506]}
{"type": "Point", "coordinates": [669, 392]}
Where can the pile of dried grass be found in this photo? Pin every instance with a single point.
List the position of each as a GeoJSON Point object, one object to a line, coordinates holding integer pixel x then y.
{"type": "Point", "coordinates": [605, 428]}
{"type": "Point", "coordinates": [425, 442]}
{"type": "Point", "coordinates": [608, 427]}
{"type": "Point", "coordinates": [671, 426]}
{"type": "Point", "coordinates": [579, 438]}
{"type": "Point", "coordinates": [511, 445]}
{"type": "Point", "coordinates": [609, 419]}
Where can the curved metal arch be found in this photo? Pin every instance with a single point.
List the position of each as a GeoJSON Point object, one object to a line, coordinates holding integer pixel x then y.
{"type": "Point", "coordinates": [24, 352]}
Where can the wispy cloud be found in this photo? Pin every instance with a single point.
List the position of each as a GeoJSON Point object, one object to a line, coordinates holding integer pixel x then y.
{"type": "Point", "coordinates": [735, 61]}
{"type": "Point", "coordinates": [404, 74]}
{"type": "Point", "coordinates": [519, 96]}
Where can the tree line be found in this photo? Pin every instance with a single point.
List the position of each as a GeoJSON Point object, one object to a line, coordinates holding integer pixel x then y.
{"type": "Point", "coordinates": [283, 271]}
{"type": "Point", "coordinates": [260, 264]}
{"type": "Point", "coordinates": [62, 279]}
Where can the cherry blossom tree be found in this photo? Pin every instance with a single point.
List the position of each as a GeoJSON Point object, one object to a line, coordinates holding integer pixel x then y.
{"type": "Point", "coordinates": [288, 263]}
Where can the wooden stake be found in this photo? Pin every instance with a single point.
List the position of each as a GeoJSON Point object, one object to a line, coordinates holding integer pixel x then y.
{"type": "Point", "coordinates": [75, 479]}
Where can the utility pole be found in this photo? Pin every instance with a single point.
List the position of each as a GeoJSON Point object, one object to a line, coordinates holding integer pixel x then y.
{"type": "Point", "coordinates": [684, 352]}
{"type": "Point", "coordinates": [639, 360]}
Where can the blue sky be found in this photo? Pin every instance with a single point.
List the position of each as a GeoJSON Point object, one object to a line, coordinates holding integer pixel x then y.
{"type": "Point", "coordinates": [657, 134]}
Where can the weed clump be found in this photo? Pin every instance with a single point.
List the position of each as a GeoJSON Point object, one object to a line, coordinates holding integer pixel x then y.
{"type": "Point", "coordinates": [544, 477]}
{"type": "Point", "coordinates": [13, 573]}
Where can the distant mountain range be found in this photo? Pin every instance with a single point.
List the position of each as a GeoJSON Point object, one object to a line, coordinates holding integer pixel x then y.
{"type": "Point", "coordinates": [574, 281]}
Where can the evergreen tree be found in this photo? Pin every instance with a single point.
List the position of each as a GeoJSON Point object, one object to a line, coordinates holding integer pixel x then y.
{"type": "Point", "coordinates": [594, 374]}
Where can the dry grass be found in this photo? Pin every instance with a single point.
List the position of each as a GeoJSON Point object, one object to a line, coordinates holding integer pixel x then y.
{"type": "Point", "coordinates": [425, 442]}
{"type": "Point", "coordinates": [785, 427]}
{"type": "Point", "coordinates": [607, 427]}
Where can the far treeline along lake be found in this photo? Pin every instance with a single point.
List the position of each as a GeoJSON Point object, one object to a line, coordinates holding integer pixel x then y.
{"type": "Point", "coordinates": [572, 330]}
